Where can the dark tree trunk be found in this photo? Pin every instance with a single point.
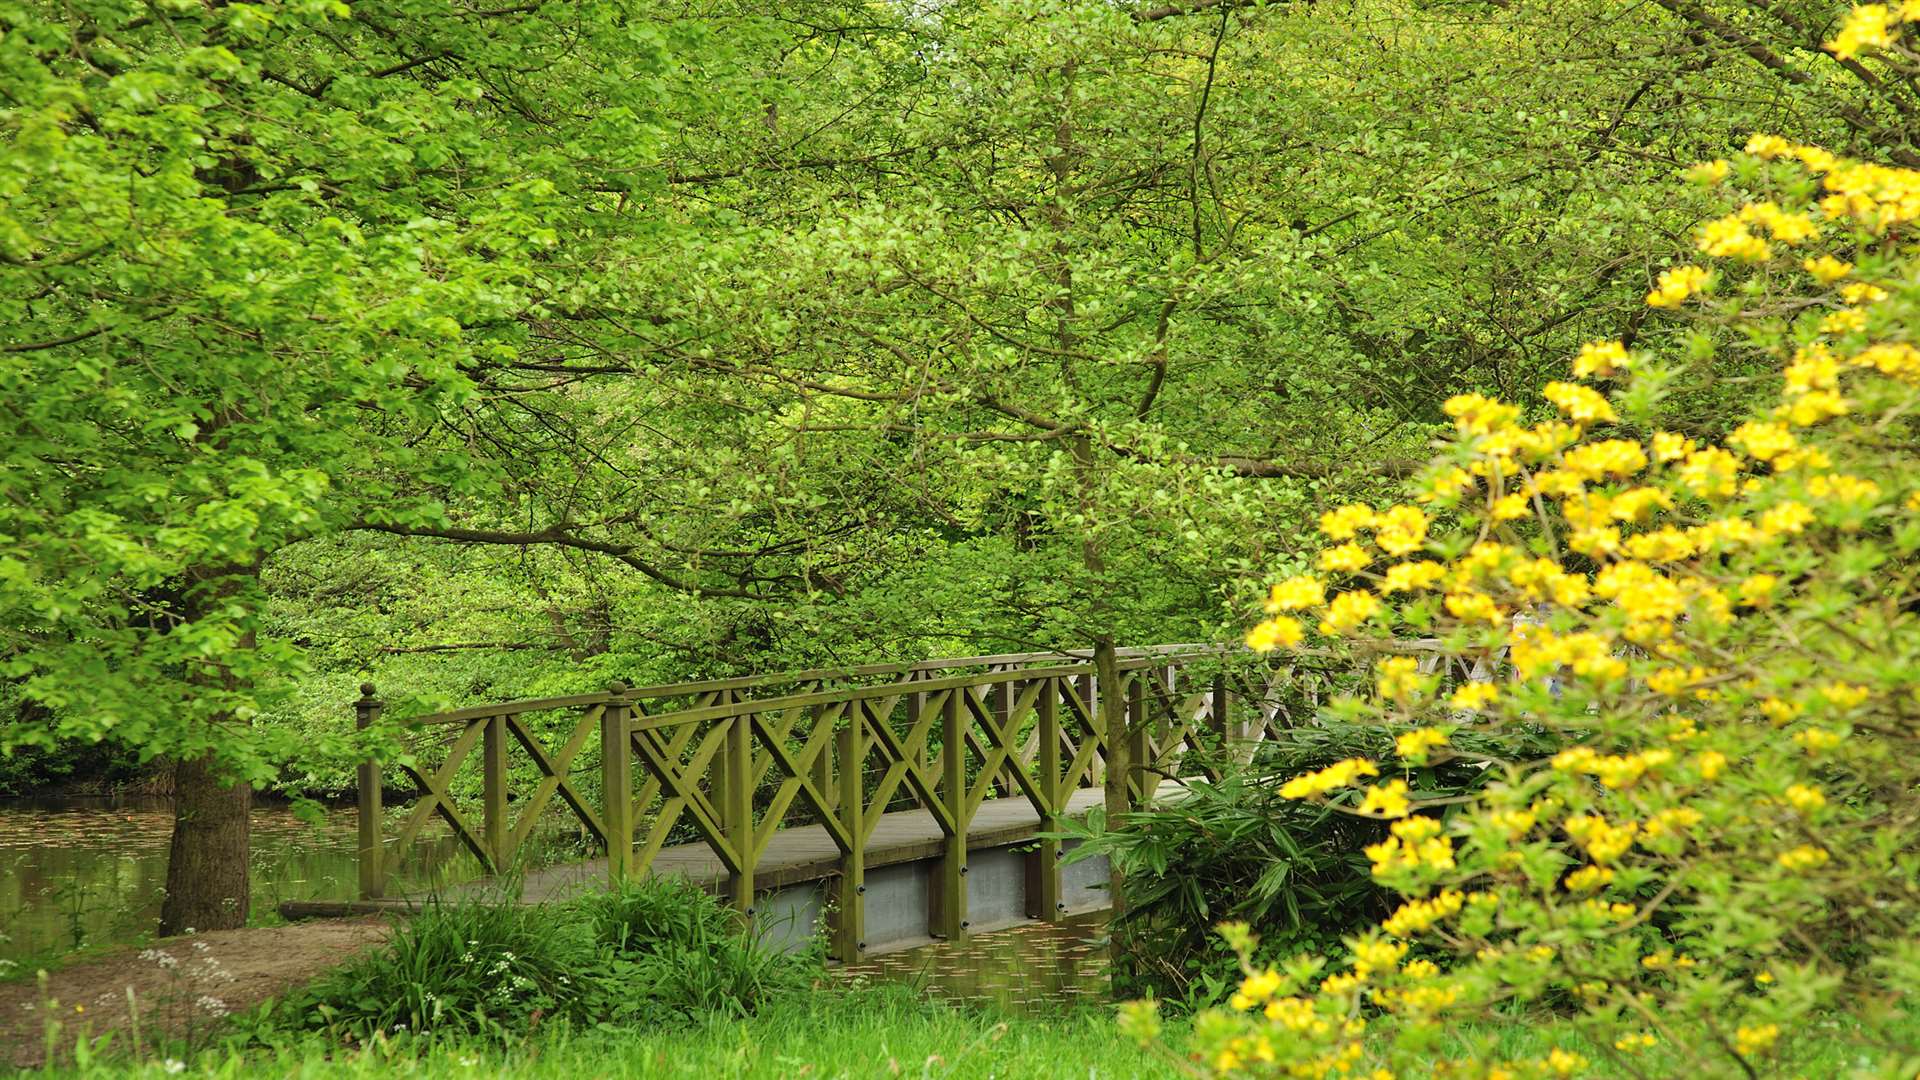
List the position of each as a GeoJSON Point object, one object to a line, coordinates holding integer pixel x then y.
{"type": "Point", "coordinates": [207, 886]}
{"type": "Point", "coordinates": [207, 863]}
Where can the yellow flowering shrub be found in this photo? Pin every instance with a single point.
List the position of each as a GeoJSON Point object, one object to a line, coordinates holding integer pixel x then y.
{"type": "Point", "coordinates": [1723, 638]}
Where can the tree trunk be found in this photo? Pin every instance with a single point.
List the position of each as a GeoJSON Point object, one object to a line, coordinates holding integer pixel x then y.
{"type": "Point", "coordinates": [207, 887]}
{"type": "Point", "coordinates": [207, 863]}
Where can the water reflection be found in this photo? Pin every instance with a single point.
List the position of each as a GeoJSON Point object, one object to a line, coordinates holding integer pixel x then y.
{"type": "Point", "coordinates": [76, 872]}
{"type": "Point", "coordinates": [1026, 970]}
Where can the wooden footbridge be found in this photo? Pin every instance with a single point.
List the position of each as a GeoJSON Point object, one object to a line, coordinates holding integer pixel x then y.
{"type": "Point", "coordinates": [901, 801]}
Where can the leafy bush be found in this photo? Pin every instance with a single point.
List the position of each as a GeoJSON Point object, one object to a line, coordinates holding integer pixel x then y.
{"type": "Point", "coordinates": [650, 951]}
{"type": "Point", "coordinates": [674, 951]}
{"type": "Point", "coordinates": [1238, 850]}
{"type": "Point", "coordinates": [480, 968]}
{"type": "Point", "coordinates": [1717, 871]}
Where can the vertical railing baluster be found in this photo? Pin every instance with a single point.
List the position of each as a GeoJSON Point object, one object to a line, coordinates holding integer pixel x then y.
{"type": "Point", "coordinates": [823, 762]}
{"type": "Point", "coordinates": [493, 760]}
{"type": "Point", "coordinates": [1053, 791]}
{"type": "Point", "coordinates": [616, 782]}
{"type": "Point", "coordinates": [739, 809]}
{"type": "Point", "coordinates": [952, 923]}
{"type": "Point", "coordinates": [372, 880]}
{"type": "Point", "coordinates": [851, 941]}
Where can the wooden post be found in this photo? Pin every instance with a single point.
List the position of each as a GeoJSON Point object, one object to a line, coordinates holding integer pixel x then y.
{"type": "Point", "coordinates": [850, 942]}
{"type": "Point", "coordinates": [952, 922]}
{"type": "Point", "coordinates": [1222, 729]}
{"type": "Point", "coordinates": [1046, 895]}
{"type": "Point", "coordinates": [493, 759]}
{"type": "Point", "coordinates": [372, 880]}
{"type": "Point", "coordinates": [738, 809]}
{"type": "Point", "coordinates": [616, 783]}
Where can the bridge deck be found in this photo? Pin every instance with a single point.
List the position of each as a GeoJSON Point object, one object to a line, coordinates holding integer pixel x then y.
{"type": "Point", "coordinates": [793, 855]}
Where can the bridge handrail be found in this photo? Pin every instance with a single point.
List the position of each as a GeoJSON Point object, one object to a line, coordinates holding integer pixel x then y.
{"type": "Point", "coordinates": [778, 678]}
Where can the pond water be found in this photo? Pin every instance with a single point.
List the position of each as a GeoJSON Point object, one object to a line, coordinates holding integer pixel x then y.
{"type": "Point", "coordinates": [1023, 970]}
{"type": "Point", "coordinates": [84, 871]}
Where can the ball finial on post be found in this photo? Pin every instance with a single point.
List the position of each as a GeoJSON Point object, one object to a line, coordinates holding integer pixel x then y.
{"type": "Point", "coordinates": [366, 689]}
{"type": "Point", "coordinates": [617, 688]}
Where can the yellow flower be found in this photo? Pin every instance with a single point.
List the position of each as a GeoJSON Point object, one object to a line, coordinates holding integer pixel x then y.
{"type": "Point", "coordinates": [1709, 173]}
{"type": "Point", "coordinates": [1668, 446]}
{"type": "Point", "coordinates": [1711, 473]}
{"type": "Point", "coordinates": [1859, 292]}
{"type": "Point", "coordinates": [1581, 404]}
{"type": "Point", "coordinates": [1296, 593]}
{"type": "Point", "coordinates": [1817, 740]}
{"type": "Point", "coordinates": [1388, 800]}
{"type": "Point", "coordinates": [1412, 576]}
{"type": "Point", "coordinates": [1281, 631]}
{"type": "Point", "coordinates": [1474, 695]}
{"type": "Point", "coordinates": [1565, 1062]}
{"type": "Point", "coordinates": [1676, 284]}
{"type": "Point", "coordinates": [1868, 26]}
{"type": "Point", "coordinates": [1804, 798]}
{"type": "Point", "coordinates": [1474, 607]}
{"type": "Point", "coordinates": [1415, 916]}
{"type": "Point", "coordinates": [1509, 507]}
{"type": "Point", "coordinates": [1398, 677]}
{"type": "Point", "coordinates": [1402, 530]}
{"type": "Point", "coordinates": [1345, 558]}
{"type": "Point", "coordinates": [1826, 269]}
{"type": "Point", "coordinates": [1728, 238]}
{"type": "Point", "coordinates": [1413, 745]}
{"type": "Point", "coordinates": [1815, 406]}
{"type": "Point", "coordinates": [1601, 358]}
{"type": "Point", "coordinates": [1848, 321]}
{"type": "Point", "coordinates": [1344, 523]}
{"type": "Point", "coordinates": [1445, 484]}
{"type": "Point", "coordinates": [1374, 955]}
{"type": "Point", "coordinates": [1348, 611]}
{"type": "Point", "coordinates": [1757, 590]}
{"type": "Point", "coordinates": [1337, 775]}
{"type": "Point", "coordinates": [1607, 457]}
{"type": "Point", "coordinates": [1844, 695]}
{"type": "Point", "coordinates": [1588, 878]}
{"type": "Point", "coordinates": [1604, 842]}
{"type": "Point", "coordinates": [1711, 764]}
{"type": "Point", "coordinates": [1475, 414]}
{"type": "Point", "coordinates": [1763, 442]}
{"type": "Point", "coordinates": [1804, 857]}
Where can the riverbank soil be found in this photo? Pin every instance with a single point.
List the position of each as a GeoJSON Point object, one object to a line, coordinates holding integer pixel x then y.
{"type": "Point", "coordinates": [179, 984]}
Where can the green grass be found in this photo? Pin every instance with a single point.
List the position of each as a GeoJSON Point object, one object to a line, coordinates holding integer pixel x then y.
{"type": "Point", "coordinates": [882, 1031]}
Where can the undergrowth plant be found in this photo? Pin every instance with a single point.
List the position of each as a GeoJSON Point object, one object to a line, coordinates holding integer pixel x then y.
{"type": "Point", "coordinates": [1717, 870]}
{"type": "Point", "coordinates": [650, 951]}
{"type": "Point", "coordinates": [1239, 850]}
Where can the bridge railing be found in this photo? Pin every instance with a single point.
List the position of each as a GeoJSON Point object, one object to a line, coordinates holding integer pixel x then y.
{"type": "Point", "coordinates": [728, 763]}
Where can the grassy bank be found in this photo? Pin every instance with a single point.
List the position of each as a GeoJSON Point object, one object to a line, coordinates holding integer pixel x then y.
{"type": "Point", "coordinates": [880, 1031]}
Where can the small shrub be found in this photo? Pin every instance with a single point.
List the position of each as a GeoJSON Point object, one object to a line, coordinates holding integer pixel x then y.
{"type": "Point", "coordinates": [1237, 850]}
{"type": "Point", "coordinates": [673, 950]}
{"type": "Point", "coordinates": [651, 951]}
{"type": "Point", "coordinates": [478, 968]}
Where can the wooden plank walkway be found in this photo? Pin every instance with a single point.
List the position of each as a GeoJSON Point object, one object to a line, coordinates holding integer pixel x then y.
{"type": "Point", "coordinates": [793, 855]}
